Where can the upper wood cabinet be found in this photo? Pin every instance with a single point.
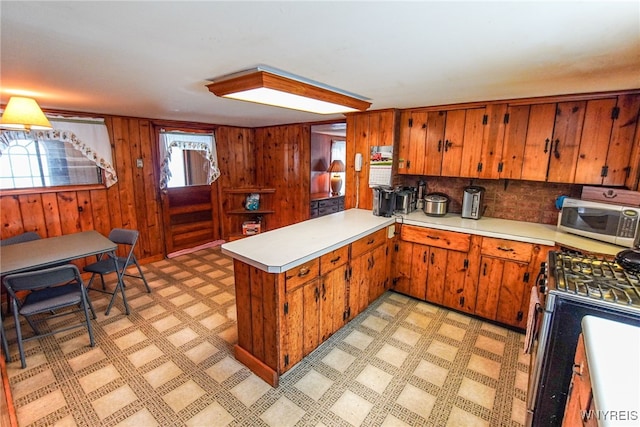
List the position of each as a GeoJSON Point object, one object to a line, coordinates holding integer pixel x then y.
{"type": "Point", "coordinates": [431, 142]}
{"type": "Point", "coordinates": [553, 139]}
{"type": "Point", "coordinates": [589, 139]}
{"type": "Point", "coordinates": [515, 137]}
{"type": "Point", "coordinates": [607, 140]}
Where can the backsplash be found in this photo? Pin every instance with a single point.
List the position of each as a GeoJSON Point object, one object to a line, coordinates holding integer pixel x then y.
{"type": "Point", "coordinates": [517, 200]}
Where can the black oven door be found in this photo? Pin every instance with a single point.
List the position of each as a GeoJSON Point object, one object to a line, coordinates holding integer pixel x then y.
{"type": "Point", "coordinates": [562, 319]}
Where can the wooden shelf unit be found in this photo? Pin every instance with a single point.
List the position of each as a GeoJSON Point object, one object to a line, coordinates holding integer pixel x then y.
{"type": "Point", "coordinates": [235, 212]}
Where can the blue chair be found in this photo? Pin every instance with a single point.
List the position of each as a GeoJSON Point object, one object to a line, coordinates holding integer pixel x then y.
{"type": "Point", "coordinates": [50, 292]}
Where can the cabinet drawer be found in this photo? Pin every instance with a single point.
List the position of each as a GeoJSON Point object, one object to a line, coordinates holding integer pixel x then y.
{"type": "Point", "coordinates": [334, 259]}
{"type": "Point", "coordinates": [507, 249]}
{"type": "Point", "coordinates": [438, 238]}
{"type": "Point", "coordinates": [327, 210]}
{"type": "Point", "coordinates": [301, 274]}
{"type": "Point", "coordinates": [368, 242]}
{"type": "Point", "coordinates": [328, 203]}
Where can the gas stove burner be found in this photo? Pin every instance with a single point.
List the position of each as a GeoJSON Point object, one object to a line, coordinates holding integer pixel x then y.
{"type": "Point", "coordinates": [595, 278]}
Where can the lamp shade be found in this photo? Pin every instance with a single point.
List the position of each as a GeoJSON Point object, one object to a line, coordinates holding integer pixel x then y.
{"type": "Point", "coordinates": [265, 85]}
{"type": "Point", "coordinates": [336, 166]}
{"type": "Point", "coordinates": [24, 114]}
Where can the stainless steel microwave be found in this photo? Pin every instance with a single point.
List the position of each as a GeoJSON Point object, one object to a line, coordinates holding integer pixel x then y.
{"type": "Point", "coordinates": [615, 224]}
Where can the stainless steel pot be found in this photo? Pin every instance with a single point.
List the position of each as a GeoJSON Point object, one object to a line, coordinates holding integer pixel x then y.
{"type": "Point", "coordinates": [436, 204]}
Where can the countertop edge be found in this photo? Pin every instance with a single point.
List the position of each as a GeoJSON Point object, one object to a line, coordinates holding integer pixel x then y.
{"type": "Point", "coordinates": [612, 359]}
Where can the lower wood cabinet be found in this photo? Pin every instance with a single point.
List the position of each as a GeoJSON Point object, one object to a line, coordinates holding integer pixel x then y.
{"type": "Point", "coordinates": [282, 317]}
{"type": "Point", "coordinates": [580, 397]}
{"type": "Point", "coordinates": [479, 275]}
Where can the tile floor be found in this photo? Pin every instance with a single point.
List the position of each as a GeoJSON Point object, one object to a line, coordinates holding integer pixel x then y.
{"type": "Point", "coordinates": [400, 363]}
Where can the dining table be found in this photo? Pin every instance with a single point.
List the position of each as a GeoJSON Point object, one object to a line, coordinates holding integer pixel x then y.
{"type": "Point", "coordinates": [43, 253]}
{"type": "Point", "coordinates": [48, 252]}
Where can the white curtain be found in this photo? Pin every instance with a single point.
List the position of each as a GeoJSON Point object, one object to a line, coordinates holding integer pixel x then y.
{"type": "Point", "coordinates": [203, 143]}
{"type": "Point", "coordinates": [87, 135]}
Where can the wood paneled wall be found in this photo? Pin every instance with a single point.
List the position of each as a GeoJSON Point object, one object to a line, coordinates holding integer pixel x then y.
{"type": "Point", "coordinates": [366, 130]}
{"type": "Point", "coordinates": [133, 202]}
{"type": "Point", "coordinates": [130, 203]}
{"type": "Point", "coordinates": [283, 156]}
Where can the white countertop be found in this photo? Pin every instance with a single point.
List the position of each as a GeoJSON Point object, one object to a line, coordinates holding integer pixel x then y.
{"type": "Point", "coordinates": [613, 355]}
{"type": "Point", "coordinates": [281, 249]}
{"type": "Point", "coordinates": [530, 232]}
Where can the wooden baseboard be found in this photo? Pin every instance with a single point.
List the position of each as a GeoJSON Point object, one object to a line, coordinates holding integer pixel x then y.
{"type": "Point", "coordinates": [258, 367]}
{"type": "Point", "coordinates": [7, 410]}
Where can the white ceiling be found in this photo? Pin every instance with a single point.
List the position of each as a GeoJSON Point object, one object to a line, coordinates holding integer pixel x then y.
{"type": "Point", "coordinates": [153, 59]}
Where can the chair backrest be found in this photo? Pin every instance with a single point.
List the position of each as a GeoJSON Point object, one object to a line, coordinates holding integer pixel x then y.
{"type": "Point", "coordinates": [24, 237]}
{"type": "Point", "coordinates": [31, 280]}
{"type": "Point", "coordinates": [123, 236]}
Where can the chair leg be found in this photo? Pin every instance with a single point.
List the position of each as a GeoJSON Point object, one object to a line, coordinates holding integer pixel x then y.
{"type": "Point", "coordinates": [85, 303]}
{"type": "Point", "coordinates": [90, 280]}
{"type": "Point", "coordinates": [142, 276]}
{"type": "Point", "coordinates": [23, 360]}
{"type": "Point", "coordinates": [5, 344]}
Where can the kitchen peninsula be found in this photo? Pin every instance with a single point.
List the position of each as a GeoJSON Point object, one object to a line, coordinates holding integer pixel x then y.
{"type": "Point", "coordinates": [297, 285]}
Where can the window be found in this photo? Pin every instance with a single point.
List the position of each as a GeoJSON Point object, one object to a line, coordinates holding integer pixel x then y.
{"type": "Point", "coordinates": [29, 163]}
{"type": "Point", "coordinates": [77, 151]}
{"type": "Point", "coordinates": [187, 159]}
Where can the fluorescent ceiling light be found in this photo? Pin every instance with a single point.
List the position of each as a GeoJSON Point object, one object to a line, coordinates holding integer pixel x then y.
{"type": "Point", "coordinates": [270, 86]}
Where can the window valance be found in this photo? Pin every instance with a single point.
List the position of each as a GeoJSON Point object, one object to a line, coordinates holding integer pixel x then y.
{"type": "Point", "coordinates": [202, 143]}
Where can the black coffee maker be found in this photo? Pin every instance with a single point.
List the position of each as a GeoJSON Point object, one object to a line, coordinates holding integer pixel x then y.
{"type": "Point", "coordinates": [384, 200]}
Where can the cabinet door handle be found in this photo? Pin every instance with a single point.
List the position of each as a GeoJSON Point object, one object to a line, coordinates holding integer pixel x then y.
{"type": "Point", "coordinates": [424, 257]}
{"type": "Point", "coordinates": [505, 249]}
{"type": "Point", "coordinates": [461, 301]}
{"type": "Point", "coordinates": [484, 270]}
{"type": "Point", "coordinates": [316, 293]}
{"type": "Point", "coordinates": [304, 271]}
{"type": "Point", "coordinates": [440, 145]}
{"type": "Point", "coordinates": [447, 144]}
{"type": "Point", "coordinates": [324, 291]}
{"type": "Point", "coordinates": [333, 261]}
{"type": "Point", "coordinates": [578, 369]}
{"type": "Point", "coordinates": [556, 153]}
{"type": "Point", "coordinates": [432, 258]}
{"type": "Point", "coordinates": [433, 237]}
{"type": "Point", "coordinates": [546, 145]}
{"type": "Point", "coordinates": [370, 242]}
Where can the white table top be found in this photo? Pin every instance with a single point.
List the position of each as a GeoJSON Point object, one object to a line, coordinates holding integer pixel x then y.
{"type": "Point", "coordinates": [613, 355]}
{"type": "Point", "coordinates": [279, 250]}
{"type": "Point", "coordinates": [53, 250]}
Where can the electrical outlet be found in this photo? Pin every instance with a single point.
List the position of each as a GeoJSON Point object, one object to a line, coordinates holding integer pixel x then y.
{"type": "Point", "coordinates": [139, 163]}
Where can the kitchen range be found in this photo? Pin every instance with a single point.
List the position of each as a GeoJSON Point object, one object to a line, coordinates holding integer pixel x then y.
{"type": "Point", "coordinates": [573, 285]}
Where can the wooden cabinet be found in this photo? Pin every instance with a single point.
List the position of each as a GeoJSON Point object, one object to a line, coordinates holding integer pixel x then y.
{"type": "Point", "coordinates": [369, 271]}
{"type": "Point", "coordinates": [580, 396]}
{"type": "Point", "coordinates": [431, 142]}
{"type": "Point", "coordinates": [553, 139]}
{"type": "Point", "coordinates": [565, 139]}
{"type": "Point", "coordinates": [506, 275]}
{"type": "Point", "coordinates": [485, 276]}
{"type": "Point", "coordinates": [433, 265]}
{"type": "Point", "coordinates": [515, 136]}
{"type": "Point", "coordinates": [607, 140]}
